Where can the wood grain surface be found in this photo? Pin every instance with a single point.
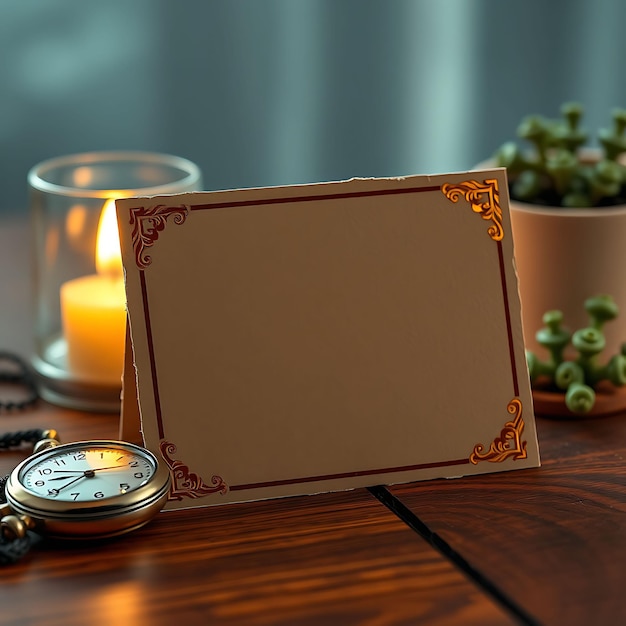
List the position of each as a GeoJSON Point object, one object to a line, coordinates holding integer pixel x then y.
{"type": "Point", "coordinates": [338, 558]}
{"type": "Point", "coordinates": [554, 538]}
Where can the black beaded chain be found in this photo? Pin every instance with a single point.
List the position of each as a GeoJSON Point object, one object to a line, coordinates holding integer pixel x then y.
{"type": "Point", "coordinates": [14, 371]}
{"type": "Point", "coordinates": [16, 439]}
{"type": "Point", "coordinates": [12, 549]}
{"type": "Point", "coordinates": [17, 373]}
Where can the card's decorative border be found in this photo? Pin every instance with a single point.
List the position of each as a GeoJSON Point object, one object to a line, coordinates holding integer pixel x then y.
{"type": "Point", "coordinates": [148, 223]}
{"type": "Point", "coordinates": [483, 199]}
{"type": "Point", "coordinates": [186, 483]}
{"type": "Point", "coordinates": [508, 444]}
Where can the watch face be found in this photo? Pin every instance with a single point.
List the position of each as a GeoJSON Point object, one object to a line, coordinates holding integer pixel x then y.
{"type": "Point", "coordinates": [87, 472]}
{"type": "Point", "coordinates": [89, 488]}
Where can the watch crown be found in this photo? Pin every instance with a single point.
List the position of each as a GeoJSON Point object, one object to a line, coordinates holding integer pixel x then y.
{"type": "Point", "coordinates": [44, 444]}
{"type": "Point", "coordinates": [12, 527]}
{"type": "Point", "coordinates": [50, 433]}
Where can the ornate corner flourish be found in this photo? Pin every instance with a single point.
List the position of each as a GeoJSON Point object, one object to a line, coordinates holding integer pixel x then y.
{"type": "Point", "coordinates": [185, 484]}
{"type": "Point", "coordinates": [484, 199]}
{"type": "Point", "coordinates": [148, 223]}
{"type": "Point", "coordinates": [508, 444]}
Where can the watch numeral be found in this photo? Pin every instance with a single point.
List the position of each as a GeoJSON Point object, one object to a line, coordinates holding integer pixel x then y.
{"type": "Point", "coordinates": [124, 487]}
{"type": "Point", "coordinates": [138, 474]}
{"type": "Point", "coordinates": [134, 463]}
{"type": "Point", "coordinates": [98, 494]}
{"type": "Point", "coordinates": [75, 494]}
{"type": "Point", "coordinates": [59, 461]}
{"type": "Point", "coordinates": [80, 456]}
{"type": "Point", "coordinates": [39, 483]}
{"type": "Point", "coordinates": [45, 471]}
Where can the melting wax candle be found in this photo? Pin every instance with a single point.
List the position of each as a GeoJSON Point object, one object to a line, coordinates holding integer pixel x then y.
{"type": "Point", "coordinates": [93, 311]}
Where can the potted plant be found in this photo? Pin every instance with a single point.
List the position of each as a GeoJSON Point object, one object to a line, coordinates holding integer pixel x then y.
{"type": "Point", "coordinates": [568, 214]}
{"type": "Point", "coordinates": [583, 385]}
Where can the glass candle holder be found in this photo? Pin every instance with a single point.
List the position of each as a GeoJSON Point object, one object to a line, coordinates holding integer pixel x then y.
{"type": "Point", "coordinates": [80, 317]}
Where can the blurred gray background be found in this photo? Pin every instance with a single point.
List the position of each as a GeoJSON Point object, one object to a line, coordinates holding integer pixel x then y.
{"type": "Point", "coordinates": [271, 92]}
{"type": "Point", "coordinates": [268, 92]}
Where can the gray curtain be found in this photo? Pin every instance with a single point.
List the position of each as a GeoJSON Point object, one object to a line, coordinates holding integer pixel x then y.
{"type": "Point", "coordinates": [267, 92]}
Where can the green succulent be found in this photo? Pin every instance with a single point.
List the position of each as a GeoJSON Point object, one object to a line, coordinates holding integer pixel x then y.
{"type": "Point", "coordinates": [554, 173]}
{"type": "Point", "coordinates": [578, 377]}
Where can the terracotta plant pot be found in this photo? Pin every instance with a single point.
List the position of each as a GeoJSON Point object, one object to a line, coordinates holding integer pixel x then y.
{"type": "Point", "coordinates": [563, 257]}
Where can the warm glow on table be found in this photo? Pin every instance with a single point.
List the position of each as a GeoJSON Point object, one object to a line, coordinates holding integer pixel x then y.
{"type": "Point", "coordinates": [93, 311]}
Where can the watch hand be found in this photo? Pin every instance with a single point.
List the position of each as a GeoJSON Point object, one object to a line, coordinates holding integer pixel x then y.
{"type": "Point", "coordinates": [85, 474]}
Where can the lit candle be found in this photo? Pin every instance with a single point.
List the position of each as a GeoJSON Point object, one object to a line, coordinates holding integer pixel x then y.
{"type": "Point", "coordinates": [93, 311]}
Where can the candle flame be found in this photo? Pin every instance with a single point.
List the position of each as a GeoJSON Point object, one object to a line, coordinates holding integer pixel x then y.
{"type": "Point", "coordinates": [108, 253]}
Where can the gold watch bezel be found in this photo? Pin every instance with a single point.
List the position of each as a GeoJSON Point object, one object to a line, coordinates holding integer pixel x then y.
{"type": "Point", "coordinates": [109, 516]}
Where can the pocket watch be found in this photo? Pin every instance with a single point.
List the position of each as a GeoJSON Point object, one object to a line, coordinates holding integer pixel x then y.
{"type": "Point", "coordinates": [85, 489]}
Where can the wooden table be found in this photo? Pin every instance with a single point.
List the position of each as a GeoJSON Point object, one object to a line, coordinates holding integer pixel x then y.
{"type": "Point", "coordinates": [544, 546]}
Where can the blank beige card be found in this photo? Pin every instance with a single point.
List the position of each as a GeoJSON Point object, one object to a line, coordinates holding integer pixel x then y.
{"type": "Point", "coordinates": [301, 339]}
